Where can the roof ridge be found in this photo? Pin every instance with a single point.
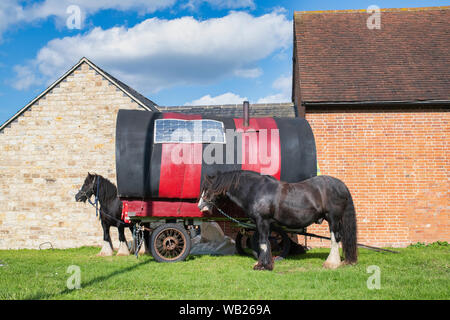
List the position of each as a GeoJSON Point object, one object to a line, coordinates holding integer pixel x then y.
{"type": "Point", "coordinates": [365, 10]}
{"type": "Point", "coordinates": [231, 105]}
{"type": "Point", "coordinates": [141, 99]}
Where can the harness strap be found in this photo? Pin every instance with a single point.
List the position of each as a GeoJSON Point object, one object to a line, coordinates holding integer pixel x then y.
{"type": "Point", "coordinates": [242, 224]}
{"type": "Point", "coordinates": [98, 211]}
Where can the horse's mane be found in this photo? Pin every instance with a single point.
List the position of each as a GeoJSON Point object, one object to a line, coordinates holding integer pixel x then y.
{"type": "Point", "coordinates": [222, 182]}
{"type": "Point", "coordinates": [107, 190]}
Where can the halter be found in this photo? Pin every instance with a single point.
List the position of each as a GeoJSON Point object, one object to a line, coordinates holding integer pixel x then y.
{"type": "Point", "coordinates": [95, 203]}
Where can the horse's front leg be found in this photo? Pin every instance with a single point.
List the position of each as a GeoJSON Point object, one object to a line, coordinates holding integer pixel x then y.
{"type": "Point", "coordinates": [123, 247]}
{"type": "Point", "coordinates": [107, 248]}
{"type": "Point", "coordinates": [265, 261]}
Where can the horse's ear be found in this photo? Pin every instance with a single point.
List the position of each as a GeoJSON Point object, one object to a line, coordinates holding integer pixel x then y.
{"type": "Point", "coordinates": [89, 174]}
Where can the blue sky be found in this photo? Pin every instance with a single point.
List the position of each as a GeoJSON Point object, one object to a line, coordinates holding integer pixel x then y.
{"type": "Point", "coordinates": [175, 52]}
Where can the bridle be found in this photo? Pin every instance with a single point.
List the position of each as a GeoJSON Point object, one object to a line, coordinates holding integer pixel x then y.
{"type": "Point", "coordinates": [84, 193]}
{"type": "Point", "coordinates": [212, 203]}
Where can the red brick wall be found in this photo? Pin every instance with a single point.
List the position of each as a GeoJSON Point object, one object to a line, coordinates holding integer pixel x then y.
{"type": "Point", "coordinates": [396, 164]}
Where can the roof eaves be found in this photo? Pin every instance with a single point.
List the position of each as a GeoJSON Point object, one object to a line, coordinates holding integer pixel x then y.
{"type": "Point", "coordinates": [365, 10]}
{"type": "Point", "coordinates": [376, 103]}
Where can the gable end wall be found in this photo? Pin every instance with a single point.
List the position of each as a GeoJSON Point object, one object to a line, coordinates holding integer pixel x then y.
{"type": "Point", "coordinates": [45, 155]}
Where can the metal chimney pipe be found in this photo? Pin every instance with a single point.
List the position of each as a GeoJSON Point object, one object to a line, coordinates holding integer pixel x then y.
{"type": "Point", "coordinates": [246, 113]}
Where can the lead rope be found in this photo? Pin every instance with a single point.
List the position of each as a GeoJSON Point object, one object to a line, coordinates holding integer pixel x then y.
{"type": "Point", "coordinates": [239, 223]}
{"type": "Point", "coordinates": [98, 211]}
{"type": "Point", "coordinates": [95, 203]}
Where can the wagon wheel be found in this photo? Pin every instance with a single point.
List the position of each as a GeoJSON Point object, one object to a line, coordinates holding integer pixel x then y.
{"type": "Point", "coordinates": [243, 243]}
{"type": "Point", "coordinates": [280, 244]}
{"type": "Point", "coordinates": [170, 243]}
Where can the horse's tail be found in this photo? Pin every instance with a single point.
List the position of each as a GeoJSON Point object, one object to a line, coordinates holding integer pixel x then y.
{"type": "Point", "coordinates": [348, 233]}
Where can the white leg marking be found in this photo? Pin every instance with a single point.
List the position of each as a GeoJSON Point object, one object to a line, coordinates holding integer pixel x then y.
{"type": "Point", "coordinates": [263, 247]}
{"type": "Point", "coordinates": [123, 249]}
{"type": "Point", "coordinates": [334, 259]}
{"type": "Point", "coordinates": [107, 250]}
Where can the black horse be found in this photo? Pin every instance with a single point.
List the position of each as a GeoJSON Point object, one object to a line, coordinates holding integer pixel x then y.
{"type": "Point", "coordinates": [295, 205]}
{"type": "Point", "coordinates": [110, 211]}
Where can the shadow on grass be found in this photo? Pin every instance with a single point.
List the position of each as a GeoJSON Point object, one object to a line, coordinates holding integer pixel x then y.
{"type": "Point", "coordinates": [40, 296]}
{"type": "Point", "coordinates": [307, 256]}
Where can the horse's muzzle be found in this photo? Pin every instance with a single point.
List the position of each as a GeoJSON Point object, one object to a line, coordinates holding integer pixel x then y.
{"type": "Point", "coordinates": [204, 206]}
{"type": "Point", "coordinates": [80, 197]}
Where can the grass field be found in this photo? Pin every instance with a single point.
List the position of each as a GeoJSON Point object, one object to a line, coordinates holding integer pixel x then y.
{"type": "Point", "coordinates": [420, 272]}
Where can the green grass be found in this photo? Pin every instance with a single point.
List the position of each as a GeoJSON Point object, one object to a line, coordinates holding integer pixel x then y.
{"type": "Point", "coordinates": [415, 273]}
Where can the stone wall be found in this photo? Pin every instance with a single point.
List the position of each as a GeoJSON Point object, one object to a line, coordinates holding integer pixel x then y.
{"type": "Point", "coordinates": [45, 156]}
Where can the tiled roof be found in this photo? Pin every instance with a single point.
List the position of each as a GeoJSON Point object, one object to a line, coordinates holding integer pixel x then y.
{"type": "Point", "coordinates": [280, 110]}
{"type": "Point", "coordinates": [339, 59]}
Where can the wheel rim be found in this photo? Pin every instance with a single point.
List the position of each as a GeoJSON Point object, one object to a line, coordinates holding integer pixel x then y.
{"type": "Point", "coordinates": [170, 244]}
{"type": "Point", "coordinates": [245, 244]}
{"type": "Point", "coordinates": [276, 243]}
{"type": "Point", "coordinates": [276, 240]}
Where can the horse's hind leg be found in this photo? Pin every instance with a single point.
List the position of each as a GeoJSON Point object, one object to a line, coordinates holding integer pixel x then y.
{"type": "Point", "coordinates": [107, 249]}
{"type": "Point", "coordinates": [123, 247]}
{"type": "Point", "coordinates": [145, 250]}
{"type": "Point", "coordinates": [334, 259]}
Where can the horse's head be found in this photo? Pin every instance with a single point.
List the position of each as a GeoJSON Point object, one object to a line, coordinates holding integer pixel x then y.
{"type": "Point", "coordinates": [207, 195]}
{"type": "Point", "coordinates": [216, 188]}
{"type": "Point", "coordinates": [87, 190]}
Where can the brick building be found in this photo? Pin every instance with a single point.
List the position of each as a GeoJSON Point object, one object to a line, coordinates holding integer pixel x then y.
{"type": "Point", "coordinates": [377, 101]}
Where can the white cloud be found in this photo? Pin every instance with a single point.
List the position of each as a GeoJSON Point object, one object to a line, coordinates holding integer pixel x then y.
{"type": "Point", "coordinates": [283, 84]}
{"type": "Point", "coordinates": [248, 73]}
{"type": "Point", "coordinates": [25, 78]}
{"type": "Point", "coordinates": [12, 12]}
{"type": "Point", "coordinates": [157, 53]}
{"type": "Point", "coordinates": [222, 4]}
{"type": "Point", "coordinates": [226, 98]}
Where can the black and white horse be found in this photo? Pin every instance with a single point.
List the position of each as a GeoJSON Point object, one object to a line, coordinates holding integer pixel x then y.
{"type": "Point", "coordinates": [110, 211]}
{"type": "Point", "coordinates": [295, 205]}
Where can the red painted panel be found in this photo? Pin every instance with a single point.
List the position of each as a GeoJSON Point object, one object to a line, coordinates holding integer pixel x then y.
{"type": "Point", "coordinates": [163, 209]}
{"type": "Point", "coordinates": [180, 176]}
{"type": "Point", "coordinates": [261, 150]}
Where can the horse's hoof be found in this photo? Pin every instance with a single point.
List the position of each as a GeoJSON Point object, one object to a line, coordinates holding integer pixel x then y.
{"type": "Point", "coordinates": [259, 266]}
{"type": "Point", "coordinates": [107, 250]}
{"type": "Point", "coordinates": [123, 250]}
{"type": "Point", "coordinates": [104, 254]}
{"type": "Point", "coordinates": [331, 264]}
